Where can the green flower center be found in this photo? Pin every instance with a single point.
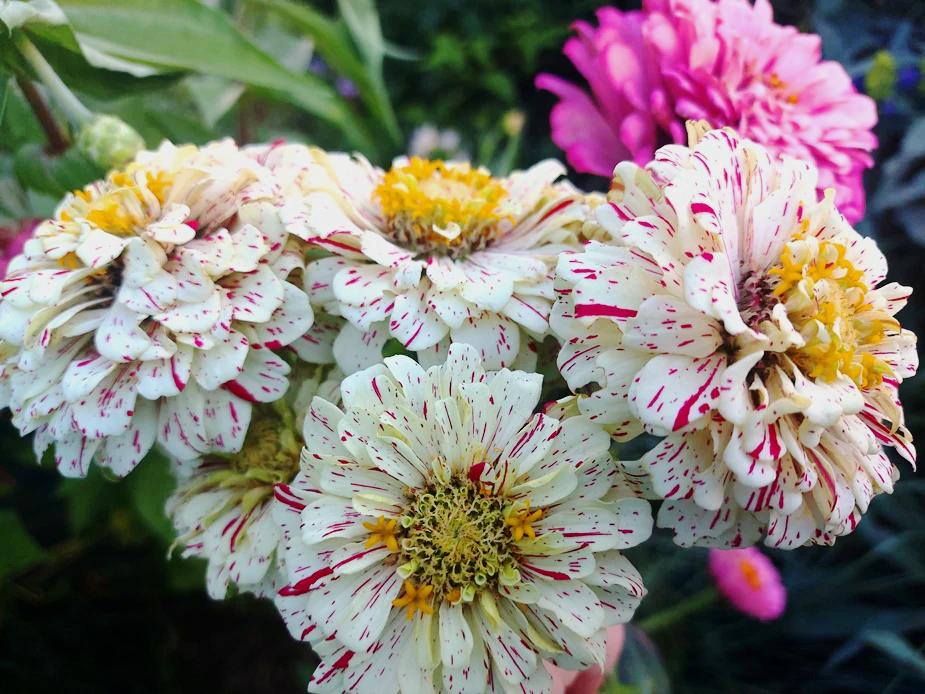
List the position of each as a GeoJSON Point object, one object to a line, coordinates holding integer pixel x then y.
{"type": "Point", "coordinates": [271, 452]}
{"type": "Point", "coordinates": [457, 540]}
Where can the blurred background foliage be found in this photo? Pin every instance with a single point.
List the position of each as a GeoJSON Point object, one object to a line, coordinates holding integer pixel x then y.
{"type": "Point", "coordinates": [89, 601]}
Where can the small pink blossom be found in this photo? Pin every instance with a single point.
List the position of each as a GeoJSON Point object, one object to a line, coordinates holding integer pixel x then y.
{"type": "Point", "coordinates": [748, 579]}
{"type": "Point", "coordinates": [12, 240]}
{"type": "Point", "coordinates": [724, 61]}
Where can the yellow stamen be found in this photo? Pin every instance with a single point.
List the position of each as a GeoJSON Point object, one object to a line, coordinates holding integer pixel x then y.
{"type": "Point", "coordinates": [120, 204]}
{"type": "Point", "coordinates": [826, 299]}
{"type": "Point", "coordinates": [415, 599]}
{"type": "Point", "coordinates": [383, 532]}
{"type": "Point", "coordinates": [521, 522]}
{"type": "Point", "coordinates": [435, 205]}
{"type": "Point", "coordinates": [453, 595]}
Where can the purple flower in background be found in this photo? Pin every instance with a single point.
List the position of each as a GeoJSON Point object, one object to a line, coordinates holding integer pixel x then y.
{"type": "Point", "coordinates": [748, 579]}
{"type": "Point", "coordinates": [726, 62]}
{"type": "Point", "coordinates": [346, 88]}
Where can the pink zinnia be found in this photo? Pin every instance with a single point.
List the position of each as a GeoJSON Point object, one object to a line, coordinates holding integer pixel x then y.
{"type": "Point", "coordinates": [748, 579]}
{"type": "Point", "coordinates": [12, 240]}
{"type": "Point", "coordinates": [726, 62]}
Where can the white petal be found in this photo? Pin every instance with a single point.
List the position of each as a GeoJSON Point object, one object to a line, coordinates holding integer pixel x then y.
{"type": "Point", "coordinates": [355, 350]}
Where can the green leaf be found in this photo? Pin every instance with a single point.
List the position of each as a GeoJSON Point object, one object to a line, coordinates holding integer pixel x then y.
{"type": "Point", "coordinates": [17, 13]}
{"type": "Point", "coordinates": [213, 96]}
{"type": "Point", "coordinates": [87, 500]}
{"type": "Point", "coordinates": [333, 43]}
{"type": "Point", "coordinates": [5, 86]}
{"type": "Point", "coordinates": [18, 549]}
{"type": "Point", "coordinates": [896, 647]}
{"type": "Point", "coordinates": [20, 125]}
{"type": "Point", "coordinates": [393, 348]}
{"type": "Point", "coordinates": [148, 486]}
{"type": "Point", "coordinates": [363, 21]}
{"type": "Point", "coordinates": [60, 48]}
{"type": "Point", "coordinates": [54, 175]}
{"type": "Point", "coordinates": [185, 35]}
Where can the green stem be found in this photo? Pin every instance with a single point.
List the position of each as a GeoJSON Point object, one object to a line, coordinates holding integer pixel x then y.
{"type": "Point", "coordinates": [75, 112]}
{"type": "Point", "coordinates": [691, 605]}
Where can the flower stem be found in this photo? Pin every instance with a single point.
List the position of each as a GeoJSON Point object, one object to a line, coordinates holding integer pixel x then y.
{"type": "Point", "coordinates": [57, 142]}
{"type": "Point", "coordinates": [691, 605]}
{"type": "Point", "coordinates": [75, 112]}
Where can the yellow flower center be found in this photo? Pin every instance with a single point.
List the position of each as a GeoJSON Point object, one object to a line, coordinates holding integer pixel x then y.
{"type": "Point", "coordinates": [271, 451]}
{"type": "Point", "coordinates": [457, 539]}
{"type": "Point", "coordinates": [120, 203]}
{"type": "Point", "coordinates": [827, 302]}
{"type": "Point", "coordinates": [750, 574]}
{"type": "Point", "coordinates": [434, 206]}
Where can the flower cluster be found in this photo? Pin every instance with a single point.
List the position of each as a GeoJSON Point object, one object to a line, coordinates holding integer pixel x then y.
{"type": "Point", "coordinates": [724, 61]}
{"type": "Point", "coordinates": [421, 519]}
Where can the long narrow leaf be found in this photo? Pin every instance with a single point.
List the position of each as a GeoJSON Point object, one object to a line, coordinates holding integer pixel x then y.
{"type": "Point", "coordinates": [185, 35]}
{"type": "Point", "coordinates": [333, 43]}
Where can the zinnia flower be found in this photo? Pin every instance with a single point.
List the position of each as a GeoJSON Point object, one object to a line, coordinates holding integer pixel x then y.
{"type": "Point", "coordinates": [726, 62]}
{"type": "Point", "coordinates": [429, 251]}
{"type": "Point", "coordinates": [744, 321]}
{"type": "Point", "coordinates": [749, 581]}
{"type": "Point", "coordinates": [149, 307]}
{"type": "Point", "coordinates": [222, 505]}
{"type": "Point", "coordinates": [445, 537]}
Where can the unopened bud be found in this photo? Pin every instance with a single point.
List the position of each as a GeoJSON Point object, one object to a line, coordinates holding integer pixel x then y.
{"type": "Point", "coordinates": [109, 141]}
{"type": "Point", "coordinates": [513, 122]}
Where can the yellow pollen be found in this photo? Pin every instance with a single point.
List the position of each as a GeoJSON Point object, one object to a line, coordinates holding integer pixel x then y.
{"type": "Point", "coordinates": [382, 532]}
{"type": "Point", "coordinates": [431, 205]}
{"type": "Point", "coordinates": [119, 204]}
{"type": "Point", "coordinates": [109, 214]}
{"type": "Point", "coordinates": [826, 300]}
{"type": "Point", "coordinates": [776, 83]}
{"type": "Point", "coordinates": [415, 599]}
{"type": "Point", "coordinates": [750, 574]}
{"type": "Point", "coordinates": [521, 522]}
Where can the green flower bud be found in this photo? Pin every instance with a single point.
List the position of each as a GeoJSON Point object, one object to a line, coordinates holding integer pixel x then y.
{"type": "Point", "coordinates": [880, 81]}
{"type": "Point", "coordinates": [109, 142]}
{"type": "Point", "coordinates": [513, 122]}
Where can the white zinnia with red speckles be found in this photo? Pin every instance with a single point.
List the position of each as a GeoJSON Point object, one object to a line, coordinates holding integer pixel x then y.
{"type": "Point", "coordinates": [742, 320]}
{"type": "Point", "coordinates": [221, 508]}
{"type": "Point", "coordinates": [431, 252]}
{"type": "Point", "coordinates": [149, 307]}
{"type": "Point", "coordinates": [443, 537]}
